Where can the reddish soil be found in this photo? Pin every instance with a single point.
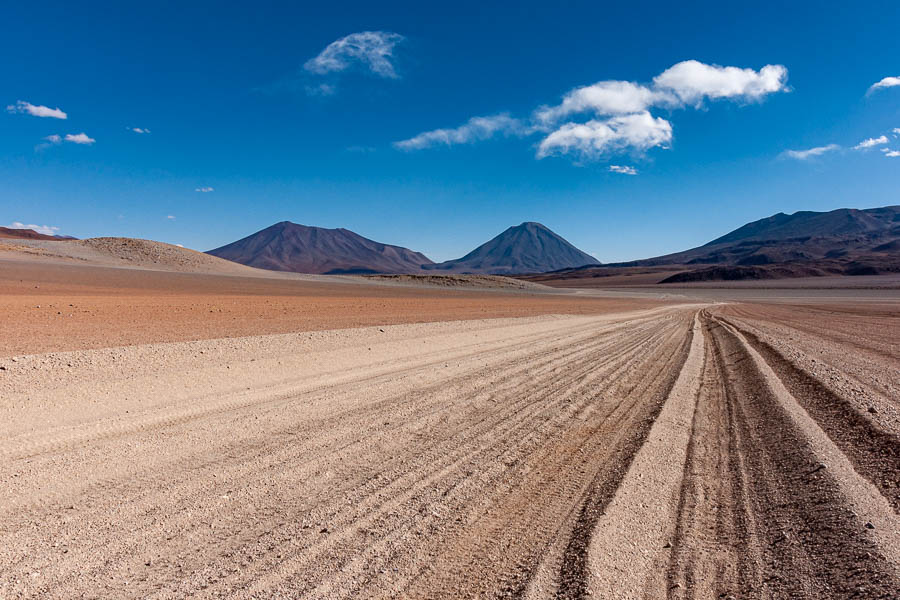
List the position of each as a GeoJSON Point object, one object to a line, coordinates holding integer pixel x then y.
{"type": "Point", "coordinates": [49, 307]}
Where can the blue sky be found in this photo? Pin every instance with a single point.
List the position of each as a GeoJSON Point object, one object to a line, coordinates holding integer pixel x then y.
{"type": "Point", "coordinates": [282, 116]}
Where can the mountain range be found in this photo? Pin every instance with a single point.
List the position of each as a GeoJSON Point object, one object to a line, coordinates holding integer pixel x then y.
{"type": "Point", "coordinates": [845, 241]}
{"type": "Point", "coordinates": [286, 246]}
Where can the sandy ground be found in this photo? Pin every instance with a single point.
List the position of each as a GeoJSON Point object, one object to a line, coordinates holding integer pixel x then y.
{"type": "Point", "coordinates": [169, 434]}
{"type": "Point", "coordinates": [686, 451]}
{"type": "Point", "coordinates": [63, 306]}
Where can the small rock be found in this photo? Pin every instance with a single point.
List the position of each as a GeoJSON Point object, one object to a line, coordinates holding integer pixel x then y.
{"type": "Point", "coordinates": [667, 545]}
{"type": "Point", "coordinates": [873, 410]}
{"type": "Point", "coordinates": [869, 526]}
{"type": "Point", "coordinates": [323, 530]}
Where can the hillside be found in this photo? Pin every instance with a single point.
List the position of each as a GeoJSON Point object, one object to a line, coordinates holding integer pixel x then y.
{"type": "Point", "coordinates": [526, 248]}
{"type": "Point", "coordinates": [288, 246]}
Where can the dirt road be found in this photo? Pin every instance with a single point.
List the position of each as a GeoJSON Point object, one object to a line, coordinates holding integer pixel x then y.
{"type": "Point", "coordinates": [666, 452]}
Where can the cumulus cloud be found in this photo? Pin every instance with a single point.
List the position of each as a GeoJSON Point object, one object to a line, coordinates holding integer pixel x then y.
{"type": "Point", "coordinates": [53, 139]}
{"type": "Point", "coordinates": [616, 113]}
{"type": "Point", "coordinates": [475, 129]}
{"type": "Point", "coordinates": [602, 98]}
{"type": "Point", "coordinates": [45, 229]}
{"type": "Point", "coordinates": [36, 111]}
{"type": "Point", "coordinates": [138, 129]}
{"type": "Point", "coordinates": [623, 170]}
{"type": "Point", "coordinates": [871, 142]}
{"type": "Point", "coordinates": [811, 152]}
{"type": "Point", "coordinates": [205, 189]}
{"type": "Point", "coordinates": [891, 153]}
{"type": "Point", "coordinates": [79, 138]}
{"type": "Point", "coordinates": [887, 82]}
{"type": "Point", "coordinates": [600, 137]}
{"type": "Point", "coordinates": [371, 49]}
{"type": "Point", "coordinates": [897, 131]}
{"type": "Point", "coordinates": [692, 81]}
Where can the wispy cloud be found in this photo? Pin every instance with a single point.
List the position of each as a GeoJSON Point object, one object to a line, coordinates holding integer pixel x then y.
{"type": "Point", "coordinates": [205, 189]}
{"type": "Point", "coordinates": [373, 50]}
{"type": "Point", "coordinates": [79, 138]}
{"type": "Point", "coordinates": [36, 111]}
{"type": "Point", "coordinates": [871, 143]}
{"type": "Point", "coordinates": [140, 130]}
{"type": "Point", "coordinates": [45, 229]}
{"type": "Point", "coordinates": [891, 153]}
{"type": "Point", "coordinates": [50, 140]}
{"type": "Point", "coordinates": [896, 131]}
{"type": "Point", "coordinates": [617, 113]}
{"type": "Point", "coordinates": [623, 170]}
{"type": "Point", "coordinates": [475, 129]}
{"type": "Point", "coordinates": [811, 152]}
{"type": "Point", "coordinates": [887, 82]}
{"type": "Point", "coordinates": [170, 217]}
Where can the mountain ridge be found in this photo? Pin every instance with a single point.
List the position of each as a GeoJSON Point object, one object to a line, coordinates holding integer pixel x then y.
{"type": "Point", "coordinates": [288, 246]}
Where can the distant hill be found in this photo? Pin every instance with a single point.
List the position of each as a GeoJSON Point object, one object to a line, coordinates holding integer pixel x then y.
{"type": "Point", "coordinates": [9, 233]}
{"type": "Point", "coordinates": [845, 233]}
{"type": "Point", "coordinates": [526, 248]}
{"type": "Point", "coordinates": [288, 246]}
{"type": "Point", "coordinates": [845, 241]}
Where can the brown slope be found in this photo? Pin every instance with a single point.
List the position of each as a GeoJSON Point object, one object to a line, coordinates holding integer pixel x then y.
{"type": "Point", "coordinates": [9, 233]}
{"type": "Point", "coordinates": [526, 248]}
{"type": "Point", "coordinates": [288, 246]}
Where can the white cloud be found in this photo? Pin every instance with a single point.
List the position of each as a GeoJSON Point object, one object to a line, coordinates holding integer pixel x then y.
{"type": "Point", "coordinates": [45, 229]}
{"type": "Point", "coordinates": [891, 153]}
{"type": "Point", "coordinates": [884, 83]}
{"type": "Point", "coordinates": [623, 170]}
{"type": "Point", "coordinates": [53, 139]}
{"type": "Point", "coordinates": [36, 111]}
{"type": "Point", "coordinates": [372, 49]}
{"type": "Point", "coordinates": [602, 98]}
{"type": "Point", "coordinates": [625, 122]}
{"type": "Point", "coordinates": [170, 217]}
{"type": "Point", "coordinates": [205, 189]}
{"type": "Point", "coordinates": [475, 129]}
{"type": "Point", "coordinates": [138, 129]}
{"type": "Point", "coordinates": [871, 142]}
{"type": "Point", "coordinates": [897, 131]}
{"type": "Point", "coordinates": [79, 138]}
{"type": "Point", "coordinates": [812, 152]}
{"type": "Point", "coordinates": [692, 81]}
{"type": "Point", "coordinates": [597, 138]}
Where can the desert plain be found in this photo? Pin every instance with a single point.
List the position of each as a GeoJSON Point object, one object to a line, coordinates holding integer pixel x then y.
{"type": "Point", "coordinates": [178, 428]}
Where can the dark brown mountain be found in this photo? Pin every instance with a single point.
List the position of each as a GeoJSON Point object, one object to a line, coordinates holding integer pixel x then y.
{"type": "Point", "coordinates": [845, 241]}
{"type": "Point", "coordinates": [288, 246]}
{"type": "Point", "coordinates": [526, 248]}
{"type": "Point", "coordinates": [29, 234]}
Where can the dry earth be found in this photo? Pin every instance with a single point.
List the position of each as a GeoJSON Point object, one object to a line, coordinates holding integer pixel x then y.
{"type": "Point", "coordinates": [691, 451]}
{"type": "Point", "coordinates": [49, 305]}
